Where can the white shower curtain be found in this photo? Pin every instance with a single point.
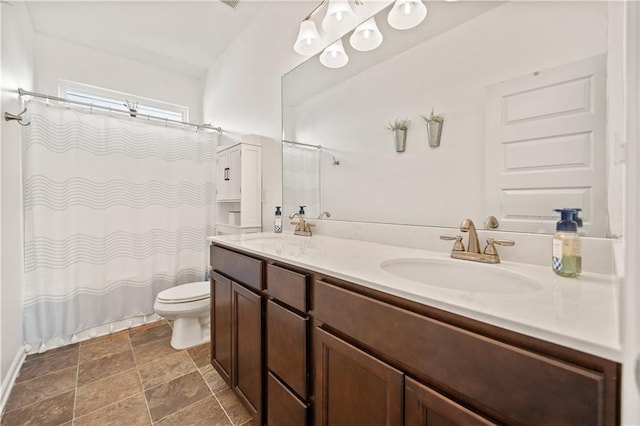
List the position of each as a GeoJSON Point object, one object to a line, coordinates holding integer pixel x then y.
{"type": "Point", "coordinates": [300, 179]}
{"type": "Point", "coordinates": [115, 210]}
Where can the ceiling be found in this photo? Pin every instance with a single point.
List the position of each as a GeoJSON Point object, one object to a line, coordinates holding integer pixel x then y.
{"type": "Point", "coordinates": [181, 36]}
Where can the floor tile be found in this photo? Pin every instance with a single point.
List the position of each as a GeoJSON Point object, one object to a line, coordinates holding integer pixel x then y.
{"type": "Point", "coordinates": [213, 378]}
{"type": "Point", "coordinates": [104, 367]}
{"type": "Point", "coordinates": [49, 412]}
{"type": "Point", "coordinates": [43, 387]}
{"type": "Point", "coordinates": [175, 395]}
{"type": "Point", "coordinates": [165, 368]}
{"type": "Point", "coordinates": [233, 407]}
{"type": "Point", "coordinates": [204, 413]}
{"type": "Point", "coordinates": [130, 412]}
{"type": "Point", "coordinates": [101, 393]}
{"type": "Point", "coordinates": [140, 337]}
{"type": "Point", "coordinates": [92, 350]}
{"type": "Point", "coordinates": [152, 351]}
{"type": "Point", "coordinates": [52, 352]}
{"type": "Point", "coordinates": [201, 354]}
{"type": "Point", "coordinates": [56, 362]}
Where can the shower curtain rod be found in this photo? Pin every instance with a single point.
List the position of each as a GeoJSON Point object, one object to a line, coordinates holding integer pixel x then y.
{"type": "Point", "coordinates": [22, 92]}
{"type": "Point", "coordinates": [302, 144]}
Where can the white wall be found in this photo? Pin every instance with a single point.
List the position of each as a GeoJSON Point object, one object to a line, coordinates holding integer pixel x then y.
{"type": "Point", "coordinates": [242, 89]}
{"type": "Point", "coordinates": [17, 71]}
{"type": "Point", "coordinates": [56, 59]}
{"type": "Point", "coordinates": [349, 119]}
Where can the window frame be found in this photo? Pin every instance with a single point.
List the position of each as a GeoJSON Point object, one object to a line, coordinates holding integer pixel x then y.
{"type": "Point", "coordinates": [100, 95]}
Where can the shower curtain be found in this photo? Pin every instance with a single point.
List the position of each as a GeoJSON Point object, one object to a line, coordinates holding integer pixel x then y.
{"type": "Point", "coordinates": [115, 211]}
{"type": "Point", "coordinates": [300, 179]}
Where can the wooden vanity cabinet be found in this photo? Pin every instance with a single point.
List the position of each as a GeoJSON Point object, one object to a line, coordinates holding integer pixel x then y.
{"type": "Point", "coordinates": [477, 376]}
{"type": "Point", "coordinates": [303, 348]}
{"type": "Point", "coordinates": [237, 330]}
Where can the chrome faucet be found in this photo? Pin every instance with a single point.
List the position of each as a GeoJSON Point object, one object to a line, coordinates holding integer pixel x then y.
{"type": "Point", "coordinates": [489, 255]}
{"type": "Point", "coordinates": [302, 227]}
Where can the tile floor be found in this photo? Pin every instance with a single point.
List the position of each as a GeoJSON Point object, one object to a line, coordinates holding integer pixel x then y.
{"type": "Point", "coordinates": [133, 377]}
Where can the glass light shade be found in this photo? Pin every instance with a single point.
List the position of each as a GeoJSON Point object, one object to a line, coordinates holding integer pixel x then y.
{"type": "Point", "coordinates": [334, 56]}
{"type": "Point", "coordinates": [308, 41]}
{"type": "Point", "coordinates": [366, 36]}
{"type": "Point", "coordinates": [339, 17]}
{"type": "Point", "coordinates": [407, 14]}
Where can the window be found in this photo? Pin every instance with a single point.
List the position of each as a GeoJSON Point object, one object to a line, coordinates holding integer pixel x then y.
{"type": "Point", "coordinates": [116, 100]}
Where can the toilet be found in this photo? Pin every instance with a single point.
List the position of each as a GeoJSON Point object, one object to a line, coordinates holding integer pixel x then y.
{"type": "Point", "coordinates": [188, 306]}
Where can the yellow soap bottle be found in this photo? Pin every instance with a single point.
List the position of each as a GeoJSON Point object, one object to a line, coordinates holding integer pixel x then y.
{"type": "Point", "coordinates": [566, 259]}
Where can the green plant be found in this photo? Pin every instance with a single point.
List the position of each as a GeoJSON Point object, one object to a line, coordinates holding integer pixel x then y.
{"type": "Point", "coordinates": [398, 124]}
{"type": "Point", "coordinates": [131, 105]}
{"type": "Point", "coordinates": [433, 117]}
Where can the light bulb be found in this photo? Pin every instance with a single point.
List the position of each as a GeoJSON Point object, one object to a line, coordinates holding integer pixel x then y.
{"type": "Point", "coordinates": [339, 17]}
{"type": "Point", "coordinates": [407, 14]}
{"type": "Point", "coordinates": [366, 36]}
{"type": "Point", "coordinates": [334, 56]}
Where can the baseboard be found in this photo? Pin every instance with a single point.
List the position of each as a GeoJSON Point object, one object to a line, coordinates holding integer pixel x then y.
{"type": "Point", "coordinates": [10, 379]}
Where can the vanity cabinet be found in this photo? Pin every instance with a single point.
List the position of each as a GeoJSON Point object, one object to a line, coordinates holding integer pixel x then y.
{"type": "Point", "coordinates": [301, 347]}
{"type": "Point", "coordinates": [236, 334]}
{"type": "Point", "coordinates": [497, 381]}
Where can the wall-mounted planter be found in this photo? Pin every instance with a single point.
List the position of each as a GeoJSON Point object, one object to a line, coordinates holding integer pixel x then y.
{"type": "Point", "coordinates": [434, 132]}
{"type": "Point", "coordinates": [400, 139]}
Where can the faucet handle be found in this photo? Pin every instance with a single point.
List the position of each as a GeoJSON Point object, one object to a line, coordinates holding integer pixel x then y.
{"type": "Point", "coordinates": [491, 248]}
{"type": "Point", "coordinates": [458, 246]}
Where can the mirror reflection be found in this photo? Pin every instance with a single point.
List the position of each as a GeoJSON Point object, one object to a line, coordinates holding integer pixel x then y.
{"type": "Point", "coordinates": [522, 91]}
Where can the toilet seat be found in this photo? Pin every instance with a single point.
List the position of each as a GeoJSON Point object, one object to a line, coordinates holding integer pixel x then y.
{"type": "Point", "coordinates": [185, 293]}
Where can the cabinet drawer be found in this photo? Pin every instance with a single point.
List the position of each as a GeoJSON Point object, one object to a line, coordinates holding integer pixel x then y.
{"type": "Point", "coordinates": [287, 286]}
{"type": "Point", "coordinates": [424, 406]}
{"type": "Point", "coordinates": [287, 347]}
{"type": "Point", "coordinates": [241, 268]}
{"type": "Point", "coordinates": [283, 407]}
{"type": "Point", "coordinates": [506, 382]}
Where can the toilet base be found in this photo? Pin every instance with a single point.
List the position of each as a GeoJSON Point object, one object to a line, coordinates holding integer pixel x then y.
{"type": "Point", "coordinates": [189, 332]}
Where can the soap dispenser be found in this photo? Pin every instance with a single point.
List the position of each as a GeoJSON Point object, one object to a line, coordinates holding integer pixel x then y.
{"type": "Point", "coordinates": [567, 248]}
{"type": "Point", "coordinates": [301, 212]}
{"type": "Point", "coordinates": [277, 221]}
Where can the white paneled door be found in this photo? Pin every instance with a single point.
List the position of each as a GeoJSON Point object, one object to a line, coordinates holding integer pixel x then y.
{"type": "Point", "coordinates": [546, 147]}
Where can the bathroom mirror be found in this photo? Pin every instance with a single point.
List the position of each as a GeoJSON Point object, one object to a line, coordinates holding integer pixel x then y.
{"type": "Point", "coordinates": [530, 96]}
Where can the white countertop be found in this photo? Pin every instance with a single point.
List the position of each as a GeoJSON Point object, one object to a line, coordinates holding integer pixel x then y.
{"type": "Point", "coordinates": [581, 313]}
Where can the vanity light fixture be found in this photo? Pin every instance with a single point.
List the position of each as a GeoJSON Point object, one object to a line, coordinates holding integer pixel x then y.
{"type": "Point", "coordinates": [334, 55]}
{"type": "Point", "coordinates": [407, 14]}
{"type": "Point", "coordinates": [339, 17]}
{"type": "Point", "coordinates": [366, 36]}
{"type": "Point", "coordinates": [308, 41]}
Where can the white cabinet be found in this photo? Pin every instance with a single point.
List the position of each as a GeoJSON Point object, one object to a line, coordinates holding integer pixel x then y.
{"type": "Point", "coordinates": [239, 207]}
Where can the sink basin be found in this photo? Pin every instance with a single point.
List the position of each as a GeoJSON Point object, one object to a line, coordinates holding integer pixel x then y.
{"type": "Point", "coordinates": [461, 275]}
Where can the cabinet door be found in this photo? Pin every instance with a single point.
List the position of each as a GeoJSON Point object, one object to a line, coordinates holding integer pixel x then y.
{"type": "Point", "coordinates": [234, 173]}
{"type": "Point", "coordinates": [424, 406]}
{"type": "Point", "coordinates": [223, 169]}
{"type": "Point", "coordinates": [221, 328]}
{"type": "Point", "coordinates": [352, 387]}
{"type": "Point", "coordinates": [287, 347]}
{"type": "Point", "coordinates": [246, 378]}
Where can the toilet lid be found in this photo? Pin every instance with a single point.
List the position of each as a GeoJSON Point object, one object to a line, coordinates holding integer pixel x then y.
{"type": "Point", "coordinates": [185, 293]}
